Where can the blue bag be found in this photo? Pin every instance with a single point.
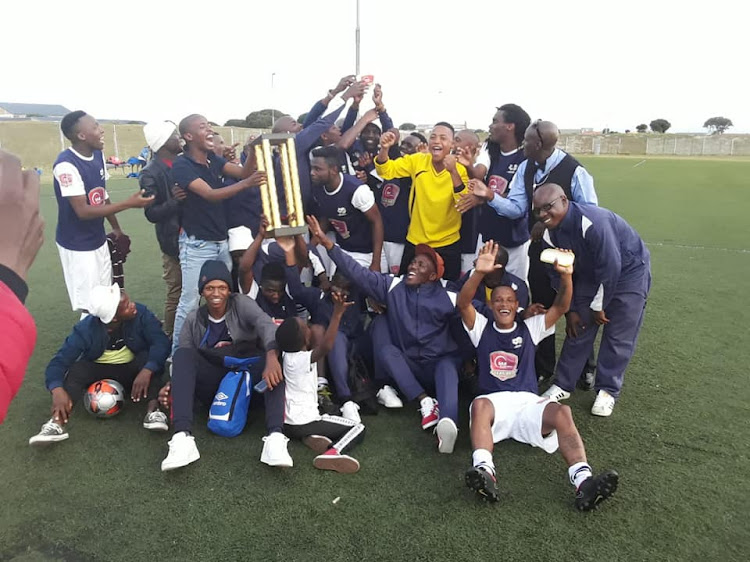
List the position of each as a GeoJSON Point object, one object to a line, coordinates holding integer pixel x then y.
{"type": "Point", "coordinates": [228, 413]}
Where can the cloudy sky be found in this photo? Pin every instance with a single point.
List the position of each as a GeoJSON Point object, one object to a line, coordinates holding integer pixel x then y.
{"type": "Point", "coordinates": [579, 63]}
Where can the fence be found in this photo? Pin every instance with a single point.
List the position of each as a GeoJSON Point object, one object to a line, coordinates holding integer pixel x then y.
{"type": "Point", "coordinates": [650, 144]}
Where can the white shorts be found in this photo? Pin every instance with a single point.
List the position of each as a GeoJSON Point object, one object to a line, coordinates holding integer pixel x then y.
{"type": "Point", "coordinates": [240, 238]}
{"type": "Point", "coordinates": [83, 271]}
{"type": "Point", "coordinates": [518, 416]}
{"type": "Point", "coordinates": [390, 260]}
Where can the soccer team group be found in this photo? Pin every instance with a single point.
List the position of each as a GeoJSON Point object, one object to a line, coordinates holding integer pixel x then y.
{"type": "Point", "coordinates": [426, 261]}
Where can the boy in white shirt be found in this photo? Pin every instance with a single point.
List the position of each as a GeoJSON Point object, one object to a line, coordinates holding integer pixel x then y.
{"type": "Point", "coordinates": [302, 419]}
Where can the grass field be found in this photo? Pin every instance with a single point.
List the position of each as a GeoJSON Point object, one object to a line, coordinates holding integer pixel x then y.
{"type": "Point", "coordinates": [678, 435]}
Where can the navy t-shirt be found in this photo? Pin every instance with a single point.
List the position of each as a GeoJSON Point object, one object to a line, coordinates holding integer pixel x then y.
{"type": "Point", "coordinates": [392, 197]}
{"type": "Point", "coordinates": [509, 233]}
{"type": "Point", "coordinates": [352, 227]}
{"type": "Point", "coordinates": [205, 220]}
{"type": "Point", "coordinates": [505, 358]}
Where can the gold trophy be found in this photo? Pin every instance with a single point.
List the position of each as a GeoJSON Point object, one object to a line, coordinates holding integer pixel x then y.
{"type": "Point", "coordinates": [295, 219]}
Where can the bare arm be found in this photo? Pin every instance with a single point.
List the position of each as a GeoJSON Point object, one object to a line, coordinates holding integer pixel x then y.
{"type": "Point", "coordinates": [348, 138]}
{"type": "Point", "coordinates": [85, 212]}
{"type": "Point", "coordinates": [563, 298]}
{"type": "Point", "coordinates": [112, 219]}
{"type": "Point", "coordinates": [251, 254]}
{"type": "Point", "coordinates": [241, 172]}
{"type": "Point", "coordinates": [339, 307]}
{"type": "Point", "coordinates": [485, 264]}
{"type": "Point", "coordinates": [200, 187]}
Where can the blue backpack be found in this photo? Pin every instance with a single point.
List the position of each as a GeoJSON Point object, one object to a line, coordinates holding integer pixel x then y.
{"type": "Point", "coordinates": [228, 413]}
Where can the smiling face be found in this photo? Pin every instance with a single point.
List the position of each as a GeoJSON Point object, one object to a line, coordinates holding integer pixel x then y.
{"type": "Point", "coordinates": [440, 143]}
{"type": "Point", "coordinates": [90, 132]}
{"type": "Point", "coordinates": [216, 293]}
{"type": "Point", "coordinates": [421, 270]}
{"type": "Point", "coordinates": [370, 137]}
{"type": "Point", "coordinates": [200, 134]}
{"type": "Point", "coordinates": [550, 205]}
{"type": "Point", "coordinates": [504, 305]}
{"type": "Point", "coordinates": [409, 145]}
{"type": "Point", "coordinates": [126, 309]}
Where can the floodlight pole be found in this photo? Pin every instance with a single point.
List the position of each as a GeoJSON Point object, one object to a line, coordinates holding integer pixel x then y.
{"type": "Point", "coordinates": [356, 39]}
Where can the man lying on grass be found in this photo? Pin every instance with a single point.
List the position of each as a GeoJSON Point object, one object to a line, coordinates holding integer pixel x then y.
{"type": "Point", "coordinates": [509, 406]}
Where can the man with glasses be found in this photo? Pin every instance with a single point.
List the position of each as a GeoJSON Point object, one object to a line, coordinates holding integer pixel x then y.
{"type": "Point", "coordinates": [545, 163]}
{"type": "Point", "coordinates": [612, 282]}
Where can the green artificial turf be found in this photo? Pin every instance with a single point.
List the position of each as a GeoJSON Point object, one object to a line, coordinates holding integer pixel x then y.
{"type": "Point", "coordinates": [678, 436]}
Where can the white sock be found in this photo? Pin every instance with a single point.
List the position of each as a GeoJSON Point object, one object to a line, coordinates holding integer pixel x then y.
{"type": "Point", "coordinates": [426, 402]}
{"type": "Point", "coordinates": [579, 472]}
{"type": "Point", "coordinates": [483, 458]}
{"type": "Point", "coordinates": [322, 381]}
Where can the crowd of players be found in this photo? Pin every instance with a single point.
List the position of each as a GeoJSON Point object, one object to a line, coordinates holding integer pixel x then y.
{"type": "Point", "coordinates": [422, 262]}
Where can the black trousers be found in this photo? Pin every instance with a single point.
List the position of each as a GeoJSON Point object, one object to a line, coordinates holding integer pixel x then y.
{"type": "Point", "coordinates": [345, 433]}
{"type": "Point", "coordinates": [194, 376]}
{"type": "Point", "coordinates": [83, 374]}
{"type": "Point", "coordinates": [451, 255]}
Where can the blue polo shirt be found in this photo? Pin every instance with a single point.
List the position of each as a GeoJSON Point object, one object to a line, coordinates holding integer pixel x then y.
{"type": "Point", "coordinates": [205, 220]}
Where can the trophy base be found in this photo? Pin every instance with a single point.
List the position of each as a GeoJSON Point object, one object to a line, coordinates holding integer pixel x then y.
{"type": "Point", "coordinates": [286, 231]}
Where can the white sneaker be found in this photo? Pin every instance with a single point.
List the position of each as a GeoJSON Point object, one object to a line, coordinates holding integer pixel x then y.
{"type": "Point", "coordinates": [156, 421]}
{"type": "Point", "coordinates": [556, 393]}
{"type": "Point", "coordinates": [51, 432]}
{"type": "Point", "coordinates": [350, 410]}
{"type": "Point", "coordinates": [275, 452]}
{"type": "Point", "coordinates": [447, 432]}
{"type": "Point", "coordinates": [182, 452]}
{"type": "Point", "coordinates": [388, 397]}
{"type": "Point", "coordinates": [604, 404]}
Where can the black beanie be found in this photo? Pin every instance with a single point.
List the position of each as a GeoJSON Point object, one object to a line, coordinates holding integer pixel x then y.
{"type": "Point", "coordinates": [213, 270]}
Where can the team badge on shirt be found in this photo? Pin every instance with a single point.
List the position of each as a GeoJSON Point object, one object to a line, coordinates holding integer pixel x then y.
{"type": "Point", "coordinates": [517, 342]}
{"type": "Point", "coordinates": [390, 194]}
{"type": "Point", "coordinates": [341, 211]}
{"type": "Point", "coordinates": [341, 227]}
{"type": "Point", "coordinates": [503, 365]}
{"type": "Point", "coordinates": [66, 180]}
{"type": "Point", "coordinates": [512, 169]}
{"type": "Point", "coordinates": [97, 196]}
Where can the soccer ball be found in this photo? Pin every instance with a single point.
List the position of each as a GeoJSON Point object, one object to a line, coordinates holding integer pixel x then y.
{"type": "Point", "coordinates": [104, 398]}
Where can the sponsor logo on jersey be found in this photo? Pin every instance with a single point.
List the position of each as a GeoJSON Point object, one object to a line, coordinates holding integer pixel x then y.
{"type": "Point", "coordinates": [517, 342]}
{"type": "Point", "coordinates": [341, 211]}
{"type": "Point", "coordinates": [498, 184]}
{"type": "Point", "coordinates": [390, 194]}
{"type": "Point", "coordinates": [341, 228]}
{"type": "Point", "coordinates": [97, 196]}
{"type": "Point", "coordinates": [503, 365]}
{"type": "Point", "coordinates": [512, 169]}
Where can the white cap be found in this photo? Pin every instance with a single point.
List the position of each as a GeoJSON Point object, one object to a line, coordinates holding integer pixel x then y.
{"type": "Point", "coordinates": [104, 302]}
{"type": "Point", "coordinates": [158, 133]}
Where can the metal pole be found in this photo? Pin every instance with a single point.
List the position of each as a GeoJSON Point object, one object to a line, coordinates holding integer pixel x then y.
{"type": "Point", "coordinates": [273, 111]}
{"type": "Point", "coordinates": [114, 138]}
{"type": "Point", "coordinates": [357, 42]}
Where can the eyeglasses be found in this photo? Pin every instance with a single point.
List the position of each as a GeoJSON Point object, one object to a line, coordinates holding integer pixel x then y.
{"type": "Point", "coordinates": [546, 208]}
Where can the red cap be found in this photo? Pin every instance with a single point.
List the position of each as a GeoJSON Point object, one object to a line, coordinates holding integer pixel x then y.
{"type": "Point", "coordinates": [425, 250]}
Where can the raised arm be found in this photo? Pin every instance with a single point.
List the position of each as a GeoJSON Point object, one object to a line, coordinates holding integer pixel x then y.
{"type": "Point", "coordinates": [320, 106]}
{"type": "Point", "coordinates": [241, 172]}
{"type": "Point", "coordinates": [387, 168]}
{"type": "Point", "coordinates": [564, 295]}
{"type": "Point", "coordinates": [339, 307]}
{"type": "Point", "coordinates": [485, 264]}
{"type": "Point", "coordinates": [351, 135]}
{"type": "Point", "coordinates": [247, 261]}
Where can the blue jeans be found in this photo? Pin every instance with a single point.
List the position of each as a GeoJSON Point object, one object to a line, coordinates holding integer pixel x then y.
{"type": "Point", "coordinates": [193, 254]}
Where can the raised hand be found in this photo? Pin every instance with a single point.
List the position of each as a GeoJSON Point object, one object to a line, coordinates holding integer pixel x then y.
{"type": "Point", "coordinates": [263, 226]}
{"type": "Point", "coordinates": [377, 98]}
{"type": "Point", "coordinates": [564, 270]}
{"type": "Point", "coordinates": [356, 90]}
{"type": "Point", "coordinates": [286, 243]}
{"type": "Point", "coordinates": [466, 156]}
{"type": "Point", "coordinates": [387, 140]}
{"type": "Point", "coordinates": [317, 232]}
{"type": "Point", "coordinates": [344, 83]}
{"type": "Point", "coordinates": [480, 189]}
{"type": "Point", "coordinates": [450, 163]}
{"type": "Point", "coordinates": [340, 304]}
{"type": "Point", "coordinates": [485, 263]}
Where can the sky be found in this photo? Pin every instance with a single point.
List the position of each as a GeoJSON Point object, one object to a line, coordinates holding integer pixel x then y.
{"type": "Point", "coordinates": [578, 63]}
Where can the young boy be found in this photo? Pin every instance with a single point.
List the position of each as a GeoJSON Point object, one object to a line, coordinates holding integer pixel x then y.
{"type": "Point", "coordinates": [509, 407]}
{"type": "Point", "coordinates": [320, 304]}
{"type": "Point", "coordinates": [302, 419]}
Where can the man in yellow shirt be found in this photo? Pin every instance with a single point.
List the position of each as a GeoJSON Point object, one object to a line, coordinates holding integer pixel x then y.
{"type": "Point", "coordinates": [438, 181]}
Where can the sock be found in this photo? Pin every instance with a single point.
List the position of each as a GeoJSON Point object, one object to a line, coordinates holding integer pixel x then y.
{"type": "Point", "coordinates": [579, 472]}
{"type": "Point", "coordinates": [483, 458]}
{"type": "Point", "coordinates": [426, 402]}
{"type": "Point", "coordinates": [322, 382]}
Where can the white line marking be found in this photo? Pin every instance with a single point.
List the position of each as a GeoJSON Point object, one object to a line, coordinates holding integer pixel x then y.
{"type": "Point", "coordinates": [639, 163]}
{"type": "Point", "coordinates": [688, 247]}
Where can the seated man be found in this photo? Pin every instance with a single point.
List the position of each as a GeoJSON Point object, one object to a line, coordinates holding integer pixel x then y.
{"type": "Point", "coordinates": [320, 305]}
{"type": "Point", "coordinates": [419, 351]}
{"type": "Point", "coordinates": [120, 340]}
{"type": "Point", "coordinates": [510, 407]}
{"type": "Point", "coordinates": [227, 325]}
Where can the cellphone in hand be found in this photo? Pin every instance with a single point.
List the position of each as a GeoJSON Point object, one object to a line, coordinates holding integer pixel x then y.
{"type": "Point", "coordinates": [261, 387]}
{"type": "Point", "coordinates": [368, 79]}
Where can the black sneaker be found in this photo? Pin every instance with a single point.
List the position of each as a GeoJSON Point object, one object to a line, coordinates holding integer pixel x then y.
{"type": "Point", "coordinates": [595, 490]}
{"type": "Point", "coordinates": [483, 482]}
{"type": "Point", "coordinates": [326, 404]}
{"type": "Point", "coordinates": [588, 377]}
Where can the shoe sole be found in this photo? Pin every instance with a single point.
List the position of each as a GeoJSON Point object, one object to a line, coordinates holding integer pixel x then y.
{"type": "Point", "coordinates": [168, 467]}
{"type": "Point", "coordinates": [602, 414]}
{"type": "Point", "coordinates": [606, 486]}
{"type": "Point", "coordinates": [317, 443]}
{"type": "Point", "coordinates": [477, 481]}
{"type": "Point", "coordinates": [156, 426]}
{"type": "Point", "coordinates": [392, 406]}
{"type": "Point", "coordinates": [277, 463]}
{"type": "Point", "coordinates": [34, 442]}
{"type": "Point", "coordinates": [343, 464]}
{"type": "Point", "coordinates": [446, 438]}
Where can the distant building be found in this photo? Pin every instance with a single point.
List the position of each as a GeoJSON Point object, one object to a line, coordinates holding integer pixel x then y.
{"type": "Point", "coordinates": [581, 131]}
{"type": "Point", "coordinates": [32, 111]}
